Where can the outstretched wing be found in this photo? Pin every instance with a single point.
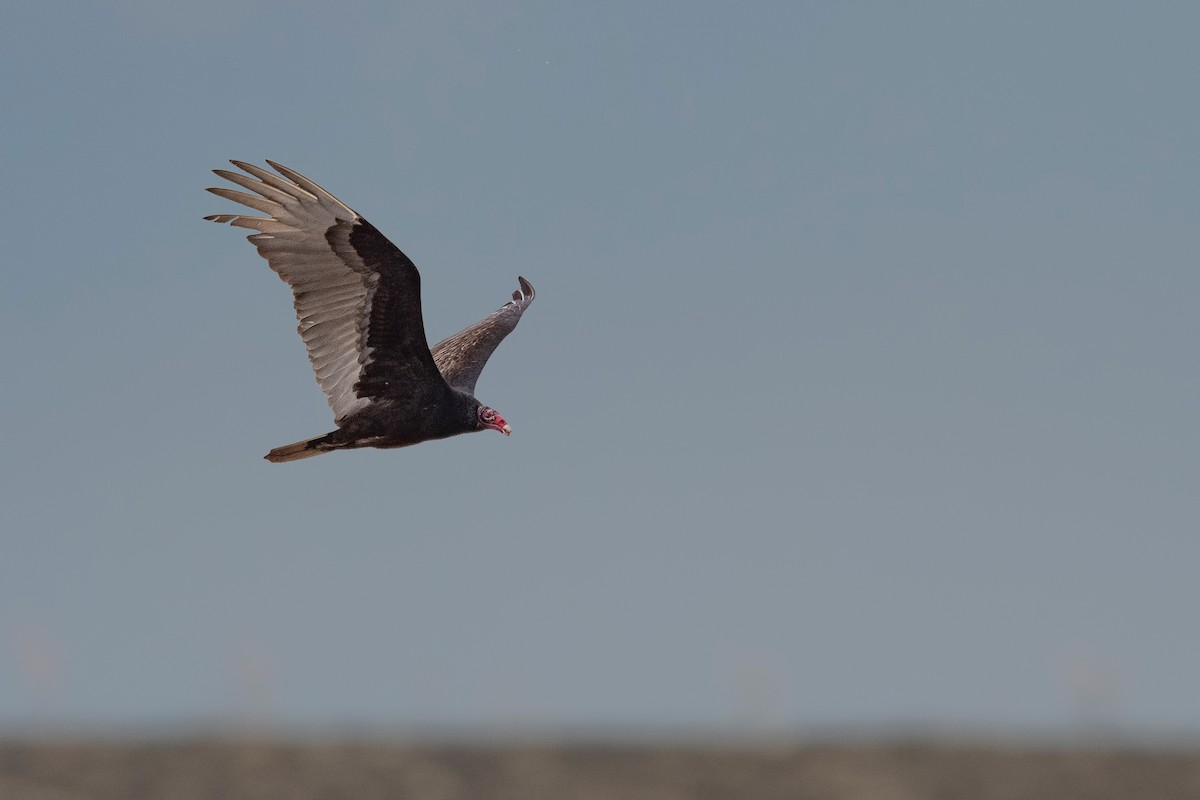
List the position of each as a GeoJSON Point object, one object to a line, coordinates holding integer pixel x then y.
{"type": "Point", "coordinates": [358, 298]}
{"type": "Point", "coordinates": [461, 357]}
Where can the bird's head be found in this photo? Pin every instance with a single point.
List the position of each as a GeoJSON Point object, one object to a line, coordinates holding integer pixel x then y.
{"type": "Point", "coordinates": [488, 418]}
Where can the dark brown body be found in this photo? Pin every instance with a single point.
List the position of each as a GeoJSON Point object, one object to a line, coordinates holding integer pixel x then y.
{"type": "Point", "coordinates": [391, 423]}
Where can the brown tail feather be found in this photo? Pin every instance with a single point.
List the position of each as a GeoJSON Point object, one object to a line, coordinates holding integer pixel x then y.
{"type": "Point", "coordinates": [305, 449]}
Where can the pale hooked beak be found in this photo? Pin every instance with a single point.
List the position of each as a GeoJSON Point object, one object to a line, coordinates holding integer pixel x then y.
{"type": "Point", "coordinates": [497, 423]}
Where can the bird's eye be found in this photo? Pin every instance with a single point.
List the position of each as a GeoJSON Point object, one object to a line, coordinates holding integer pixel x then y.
{"type": "Point", "coordinates": [488, 414]}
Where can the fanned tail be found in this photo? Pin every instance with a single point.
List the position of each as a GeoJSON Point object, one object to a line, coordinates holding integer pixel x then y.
{"type": "Point", "coordinates": [305, 449]}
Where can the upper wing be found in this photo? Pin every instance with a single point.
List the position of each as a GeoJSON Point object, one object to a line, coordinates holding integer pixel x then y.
{"type": "Point", "coordinates": [461, 357]}
{"type": "Point", "coordinates": [358, 298]}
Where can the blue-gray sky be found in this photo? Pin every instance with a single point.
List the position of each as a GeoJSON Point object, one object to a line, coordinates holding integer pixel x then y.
{"type": "Point", "coordinates": [861, 387]}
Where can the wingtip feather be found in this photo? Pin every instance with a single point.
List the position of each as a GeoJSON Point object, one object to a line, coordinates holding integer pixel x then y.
{"type": "Point", "coordinates": [294, 176]}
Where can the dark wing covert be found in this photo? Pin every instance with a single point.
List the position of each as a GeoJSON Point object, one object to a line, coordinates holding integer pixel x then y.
{"type": "Point", "coordinates": [357, 296]}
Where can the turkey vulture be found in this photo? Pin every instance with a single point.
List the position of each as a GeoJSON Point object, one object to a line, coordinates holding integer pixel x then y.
{"type": "Point", "coordinates": [358, 299]}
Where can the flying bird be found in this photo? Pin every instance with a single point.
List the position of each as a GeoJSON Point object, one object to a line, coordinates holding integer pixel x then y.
{"type": "Point", "coordinates": [358, 300]}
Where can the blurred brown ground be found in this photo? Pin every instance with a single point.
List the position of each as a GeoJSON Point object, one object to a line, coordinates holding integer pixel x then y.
{"type": "Point", "coordinates": [366, 770]}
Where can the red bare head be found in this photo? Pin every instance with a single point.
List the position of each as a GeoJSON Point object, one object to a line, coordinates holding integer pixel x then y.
{"type": "Point", "coordinates": [488, 418]}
